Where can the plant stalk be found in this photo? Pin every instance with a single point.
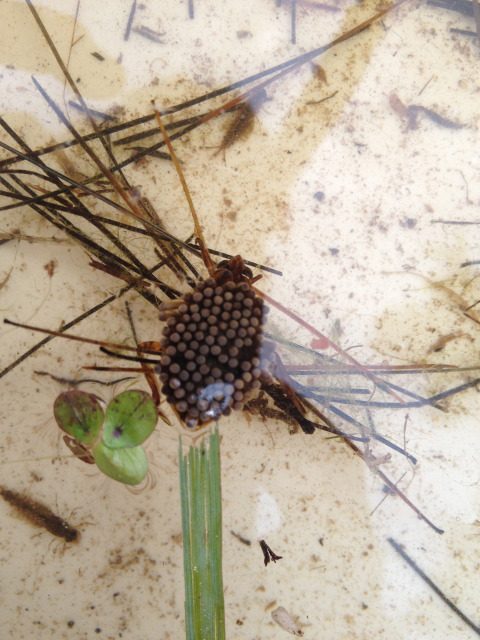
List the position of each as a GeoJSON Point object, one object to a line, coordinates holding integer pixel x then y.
{"type": "Point", "coordinates": [200, 489]}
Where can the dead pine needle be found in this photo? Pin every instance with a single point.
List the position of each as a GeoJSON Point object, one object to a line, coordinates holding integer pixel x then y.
{"type": "Point", "coordinates": [476, 17]}
{"type": "Point", "coordinates": [71, 382]}
{"type": "Point", "coordinates": [149, 34]}
{"type": "Point", "coordinates": [293, 21]}
{"type": "Point", "coordinates": [131, 16]}
{"type": "Point", "coordinates": [413, 565]}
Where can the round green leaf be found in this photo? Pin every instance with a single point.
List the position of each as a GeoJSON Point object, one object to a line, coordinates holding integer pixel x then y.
{"type": "Point", "coordinates": [79, 414]}
{"type": "Point", "coordinates": [129, 419]}
{"type": "Point", "coordinates": [128, 466]}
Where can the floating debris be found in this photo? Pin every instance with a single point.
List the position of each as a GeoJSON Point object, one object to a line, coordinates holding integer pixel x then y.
{"type": "Point", "coordinates": [284, 620]}
{"type": "Point", "coordinates": [268, 554]}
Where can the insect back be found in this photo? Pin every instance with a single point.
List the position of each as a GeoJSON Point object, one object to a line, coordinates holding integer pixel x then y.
{"type": "Point", "coordinates": [39, 515]}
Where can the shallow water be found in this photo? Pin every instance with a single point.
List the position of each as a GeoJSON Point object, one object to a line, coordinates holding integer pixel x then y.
{"type": "Point", "coordinates": [340, 195]}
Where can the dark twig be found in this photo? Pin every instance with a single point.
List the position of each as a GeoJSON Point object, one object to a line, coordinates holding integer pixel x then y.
{"type": "Point", "coordinates": [476, 17]}
{"type": "Point", "coordinates": [293, 21]}
{"type": "Point", "coordinates": [75, 383]}
{"type": "Point", "coordinates": [411, 563]}
{"type": "Point", "coordinates": [148, 34]}
{"type": "Point", "coordinates": [464, 7]}
{"type": "Point", "coordinates": [131, 15]}
{"type": "Point", "coordinates": [464, 32]}
{"type": "Point", "coordinates": [91, 112]}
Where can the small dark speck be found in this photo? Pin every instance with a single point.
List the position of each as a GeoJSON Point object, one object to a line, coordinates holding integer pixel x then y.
{"type": "Point", "coordinates": [320, 540]}
{"type": "Point", "coordinates": [239, 622]}
{"type": "Point", "coordinates": [364, 606]}
{"type": "Point", "coordinates": [70, 623]}
{"type": "Point", "coordinates": [319, 196]}
{"type": "Point", "coordinates": [116, 594]}
{"type": "Point", "coordinates": [333, 251]}
{"type": "Point", "coordinates": [409, 223]}
{"type": "Point", "coordinates": [98, 630]}
{"type": "Point", "coordinates": [97, 55]}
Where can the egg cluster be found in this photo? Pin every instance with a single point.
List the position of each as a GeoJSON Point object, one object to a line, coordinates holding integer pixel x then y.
{"type": "Point", "coordinates": [211, 343]}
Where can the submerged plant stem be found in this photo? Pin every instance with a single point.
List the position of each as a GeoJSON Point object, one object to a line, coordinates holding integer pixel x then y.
{"type": "Point", "coordinates": [200, 487]}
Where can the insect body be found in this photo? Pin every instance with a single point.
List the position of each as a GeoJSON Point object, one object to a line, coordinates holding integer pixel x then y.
{"type": "Point", "coordinates": [39, 515]}
{"type": "Point", "coordinates": [244, 120]}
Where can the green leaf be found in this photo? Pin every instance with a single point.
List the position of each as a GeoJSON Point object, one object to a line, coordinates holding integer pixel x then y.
{"type": "Point", "coordinates": [129, 466]}
{"type": "Point", "coordinates": [79, 414]}
{"type": "Point", "coordinates": [200, 487]}
{"type": "Point", "coordinates": [130, 418]}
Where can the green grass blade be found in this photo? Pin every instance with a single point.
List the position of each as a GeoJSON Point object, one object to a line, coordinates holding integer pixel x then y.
{"type": "Point", "coordinates": [200, 490]}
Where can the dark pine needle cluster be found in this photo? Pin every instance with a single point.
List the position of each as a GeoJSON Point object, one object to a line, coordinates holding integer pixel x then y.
{"type": "Point", "coordinates": [211, 349]}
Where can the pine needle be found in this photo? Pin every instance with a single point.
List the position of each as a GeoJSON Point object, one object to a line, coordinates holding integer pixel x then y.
{"type": "Point", "coordinates": [200, 487]}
